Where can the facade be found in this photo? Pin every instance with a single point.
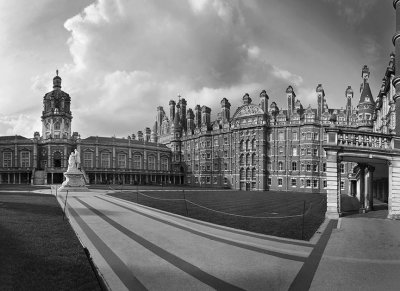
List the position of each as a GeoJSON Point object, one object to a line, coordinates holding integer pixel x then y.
{"type": "Point", "coordinates": [261, 146]}
{"type": "Point", "coordinates": [44, 158]}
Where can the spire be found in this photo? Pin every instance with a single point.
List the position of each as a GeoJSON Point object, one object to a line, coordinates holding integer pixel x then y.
{"type": "Point", "coordinates": [366, 94]}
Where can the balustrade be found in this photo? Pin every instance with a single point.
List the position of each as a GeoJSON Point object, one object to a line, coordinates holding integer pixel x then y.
{"type": "Point", "coordinates": [363, 140]}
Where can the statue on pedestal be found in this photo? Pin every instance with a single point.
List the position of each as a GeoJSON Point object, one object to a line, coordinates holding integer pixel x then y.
{"type": "Point", "coordinates": [75, 179]}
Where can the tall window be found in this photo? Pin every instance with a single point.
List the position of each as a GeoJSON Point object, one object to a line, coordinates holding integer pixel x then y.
{"type": "Point", "coordinates": [280, 182]}
{"type": "Point", "coordinates": [253, 159]}
{"type": "Point", "coordinates": [105, 160]}
{"type": "Point", "coordinates": [294, 182]}
{"type": "Point", "coordinates": [294, 166]}
{"type": "Point", "coordinates": [342, 168]}
{"type": "Point", "coordinates": [88, 159]}
{"type": "Point", "coordinates": [294, 135]}
{"type": "Point", "coordinates": [294, 151]}
{"type": "Point", "coordinates": [281, 151]}
{"type": "Point", "coordinates": [281, 136]}
{"type": "Point", "coordinates": [308, 167]}
{"type": "Point", "coordinates": [253, 174]}
{"type": "Point", "coordinates": [151, 163]}
{"type": "Point", "coordinates": [280, 166]}
{"type": "Point", "coordinates": [121, 160]}
{"type": "Point", "coordinates": [25, 159]}
{"type": "Point", "coordinates": [7, 159]}
{"type": "Point", "coordinates": [57, 126]}
{"type": "Point", "coordinates": [241, 174]}
{"type": "Point", "coordinates": [241, 160]}
{"type": "Point", "coordinates": [241, 145]}
{"type": "Point", "coordinates": [164, 164]}
{"type": "Point", "coordinates": [253, 145]}
{"type": "Point", "coordinates": [137, 162]}
{"type": "Point", "coordinates": [324, 167]}
{"type": "Point", "coordinates": [248, 174]}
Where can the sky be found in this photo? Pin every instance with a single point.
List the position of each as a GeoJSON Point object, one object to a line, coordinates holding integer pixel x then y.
{"type": "Point", "coordinates": [120, 59]}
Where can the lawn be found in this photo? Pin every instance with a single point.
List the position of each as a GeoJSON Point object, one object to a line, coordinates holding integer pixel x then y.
{"type": "Point", "coordinates": [270, 211]}
{"type": "Point", "coordinates": [38, 249]}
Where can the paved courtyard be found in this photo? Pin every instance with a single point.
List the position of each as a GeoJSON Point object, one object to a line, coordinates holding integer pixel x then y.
{"type": "Point", "coordinates": [139, 248]}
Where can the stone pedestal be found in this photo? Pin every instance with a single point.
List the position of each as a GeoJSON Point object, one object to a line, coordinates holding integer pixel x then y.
{"type": "Point", "coordinates": [74, 182]}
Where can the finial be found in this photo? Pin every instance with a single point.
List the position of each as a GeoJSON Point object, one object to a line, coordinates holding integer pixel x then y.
{"type": "Point", "coordinates": [57, 72]}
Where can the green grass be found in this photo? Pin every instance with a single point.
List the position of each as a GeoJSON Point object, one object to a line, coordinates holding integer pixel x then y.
{"type": "Point", "coordinates": [38, 250]}
{"type": "Point", "coordinates": [261, 204]}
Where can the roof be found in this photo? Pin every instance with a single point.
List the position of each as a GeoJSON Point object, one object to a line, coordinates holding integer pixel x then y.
{"type": "Point", "coordinates": [366, 95]}
{"type": "Point", "coordinates": [101, 139]}
{"type": "Point", "coordinates": [13, 137]}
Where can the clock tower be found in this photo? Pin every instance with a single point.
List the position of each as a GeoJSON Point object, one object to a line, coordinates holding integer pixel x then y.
{"type": "Point", "coordinates": [56, 115]}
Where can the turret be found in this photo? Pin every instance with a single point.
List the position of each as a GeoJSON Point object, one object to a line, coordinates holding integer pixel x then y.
{"type": "Point", "coordinates": [291, 96]}
{"type": "Point", "coordinates": [197, 116]}
{"type": "Point", "coordinates": [321, 100]}
{"type": "Point", "coordinates": [56, 115]}
{"type": "Point", "coordinates": [264, 101]}
{"type": "Point", "coordinates": [190, 121]}
{"type": "Point", "coordinates": [366, 106]}
{"type": "Point", "coordinates": [349, 95]}
{"type": "Point", "coordinates": [182, 112]}
{"type": "Point", "coordinates": [246, 99]}
{"type": "Point", "coordinates": [205, 116]}
{"type": "Point", "coordinates": [171, 110]}
{"type": "Point", "coordinates": [225, 110]}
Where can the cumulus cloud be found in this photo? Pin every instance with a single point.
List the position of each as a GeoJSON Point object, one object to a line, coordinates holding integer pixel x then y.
{"type": "Point", "coordinates": [127, 63]}
{"type": "Point", "coordinates": [353, 11]}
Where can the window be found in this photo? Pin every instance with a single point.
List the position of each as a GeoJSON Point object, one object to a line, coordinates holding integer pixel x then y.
{"type": "Point", "coordinates": [225, 181]}
{"type": "Point", "coordinates": [248, 159]}
{"type": "Point", "coordinates": [315, 152]}
{"type": "Point", "coordinates": [241, 145]}
{"type": "Point", "coordinates": [225, 154]}
{"type": "Point", "coordinates": [253, 145]}
{"type": "Point", "coordinates": [324, 167]}
{"type": "Point", "coordinates": [208, 167]}
{"type": "Point", "coordinates": [294, 182]}
{"type": "Point", "coordinates": [269, 181]}
{"type": "Point", "coordinates": [253, 159]}
{"type": "Point", "coordinates": [280, 166]}
{"type": "Point", "coordinates": [316, 136]}
{"type": "Point", "coordinates": [341, 185]}
{"type": "Point", "coordinates": [57, 126]}
{"type": "Point", "coordinates": [225, 140]}
{"type": "Point", "coordinates": [342, 168]}
{"type": "Point", "coordinates": [137, 162]}
{"type": "Point", "coordinates": [308, 167]}
{"type": "Point", "coordinates": [294, 135]}
{"type": "Point", "coordinates": [302, 167]}
{"type": "Point", "coordinates": [280, 182]}
{"type": "Point", "coordinates": [294, 151]}
{"type": "Point", "coordinates": [216, 141]}
{"type": "Point", "coordinates": [216, 167]}
{"type": "Point", "coordinates": [164, 164]}
{"type": "Point", "coordinates": [303, 151]}
{"type": "Point", "coordinates": [281, 136]}
{"type": "Point", "coordinates": [325, 183]}
{"type": "Point", "coordinates": [208, 179]}
{"type": "Point", "coordinates": [208, 143]}
{"type": "Point", "coordinates": [225, 166]}
{"type": "Point", "coordinates": [253, 174]}
{"type": "Point", "coordinates": [203, 167]}
{"type": "Point", "coordinates": [247, 145]}
{"type": "Point", "coordinates": [315, 167]}
{"type": "Point", "coordinates": [196, 180]}
{"type": "Point", "coordinates": [151, 163]}
{"type": "Point", "coordinates": [105, 160]}
{"type": "Point", "coordinates": [88, 159]}
{"type": "Point", "coordinates": [294, 166]}
{"type": "Point", "coordinates": [248, 174]}
{"type": "Point", "coordinates": [208, 156]}
{"type": "Point", "coordinates": [308, 151]}
{"type": "Point", "coordinates": [308, 183]}
{"type": "Point", "coordinates": [315, 183]}
{"type": "Point", "coordinates": [281, 151]}
{"type": "Point", "coordinates": [188, 157]}
{"type": "Point", "coordinates": [196, 167]}
{"type": "Point", "coordinates": [25, 159]}
{"type": "Point", "coordinates": [241, 160]}
{"type": "Point", "coordinates": [215, 180]}
{"type": "Point", "coordinates": [121, 160]}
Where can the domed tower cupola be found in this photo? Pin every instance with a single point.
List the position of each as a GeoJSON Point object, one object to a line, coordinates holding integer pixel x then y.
{"type": "Point", "coordinates": [57, 82]}
{"type": "Point", "coordinates": [56, 115]}
{"type": "Point", "coordinates": [366, 105]}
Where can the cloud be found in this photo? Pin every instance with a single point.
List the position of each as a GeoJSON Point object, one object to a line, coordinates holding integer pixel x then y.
{"type": "Point", "coordinates": [353, 11]}
{"type": "Point", "coordinates": [126, 63]}
{"type": "Point", "coordinates": [21, 124]}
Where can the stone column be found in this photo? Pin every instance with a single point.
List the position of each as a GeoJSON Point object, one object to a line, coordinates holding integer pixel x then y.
{"type": "Point", "coordinates": [370, 194]}
{"type": "Point", "coordinates": [332, 190]}
{"type": "Point", "coordinates": [362, 187]}
{"type": "Point", "coordinates": [394, 189]}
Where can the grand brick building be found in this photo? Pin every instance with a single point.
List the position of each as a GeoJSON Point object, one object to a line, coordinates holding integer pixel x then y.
{"type": "Point", "coordinates": [260, 146]}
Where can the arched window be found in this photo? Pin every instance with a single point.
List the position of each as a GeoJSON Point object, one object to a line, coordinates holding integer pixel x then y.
{"type": "Point", "coordinates": [248, 159]}
{"type": "Point", "coordinates": [241, 160]}
{"type": "Point", "coordinates": [241, 175]}
{"type": "Point", "coordinates": [253, 159]}
{"type": "Point", "coordinates": [280, 166]}
{"type": "Point", "coordinates": [253, 145]}
{"type": "Point", "coordinates": [247, 145]}
{"type": "Point", "coordinates": [253, 174]}
{"type": "Point", "coordinates": [248, 174]}
{"type": "Point", "coordinates": [241, 146]}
